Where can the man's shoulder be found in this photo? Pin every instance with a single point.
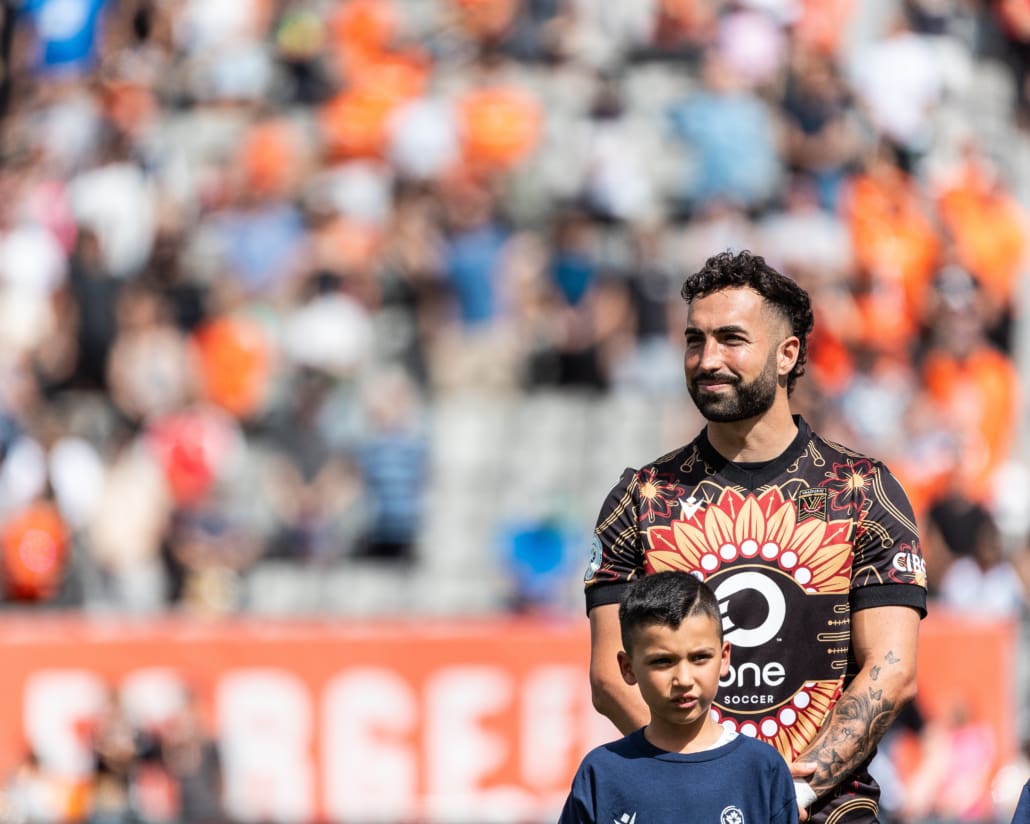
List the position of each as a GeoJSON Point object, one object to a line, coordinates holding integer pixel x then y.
{"type": "Point", "coordinates": [843, 453]}
{"type": "Point", "coordinates": [671, 461]}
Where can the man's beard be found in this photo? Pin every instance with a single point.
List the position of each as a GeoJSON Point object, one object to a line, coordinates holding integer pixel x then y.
{"type": "Point", "coordinates": [745, 400]}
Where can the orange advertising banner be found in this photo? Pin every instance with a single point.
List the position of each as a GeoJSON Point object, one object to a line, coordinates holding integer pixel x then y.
{"type": "Point", "coordinates": [479, 720]}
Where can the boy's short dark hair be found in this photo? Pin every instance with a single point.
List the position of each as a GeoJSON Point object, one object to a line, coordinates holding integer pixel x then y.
{"type": "Point", "coordinates": [743, 270]}
{"type": "Point", "coordinates": [665, 599]}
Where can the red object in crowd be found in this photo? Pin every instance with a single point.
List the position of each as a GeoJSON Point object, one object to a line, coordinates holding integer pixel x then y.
{"type": "Point", "coordinates": [35, 545]}
{"type": "Point", "coordinates": [192, 447]}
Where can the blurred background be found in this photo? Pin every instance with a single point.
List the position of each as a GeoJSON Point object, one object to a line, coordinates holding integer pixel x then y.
{"type": "Point", "coordinates": [326, 325]}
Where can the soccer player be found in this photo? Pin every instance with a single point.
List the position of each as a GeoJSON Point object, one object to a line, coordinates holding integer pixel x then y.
{"type": "Point", "coordinates": [682, 766]}
{"type": "Point", "coordinates": [811, 549]}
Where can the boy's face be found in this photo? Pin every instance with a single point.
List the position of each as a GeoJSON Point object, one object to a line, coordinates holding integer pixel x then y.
{"type": "Point", "coordinates": [678, 672]}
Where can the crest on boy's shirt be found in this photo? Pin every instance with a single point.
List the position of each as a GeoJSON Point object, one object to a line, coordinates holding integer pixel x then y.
{"type": "Point", "coordinates": [811, 503]}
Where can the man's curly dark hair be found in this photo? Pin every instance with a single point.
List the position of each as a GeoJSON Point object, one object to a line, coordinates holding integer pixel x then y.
{"type": "Point", "coordinates": [732, 270]}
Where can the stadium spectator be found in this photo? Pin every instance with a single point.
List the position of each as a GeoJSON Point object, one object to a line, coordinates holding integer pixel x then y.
{"type": "Point", "coordinates": [985, 582]}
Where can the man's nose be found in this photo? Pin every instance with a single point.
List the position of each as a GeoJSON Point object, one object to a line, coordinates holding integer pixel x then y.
{"type": "Point", "coordinates": [711, 356]}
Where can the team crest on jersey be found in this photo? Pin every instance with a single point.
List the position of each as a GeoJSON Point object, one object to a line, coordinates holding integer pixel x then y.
{"type": "Point", "coordinates": [595, 561]}
{"type": "Point", "coordinates": [731, 815]}
{"type": "Point", "coordinates": [811, 504]}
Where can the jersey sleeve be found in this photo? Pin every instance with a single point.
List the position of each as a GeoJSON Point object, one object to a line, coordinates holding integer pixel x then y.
{"type": "Point", "coordinates": [888, 569]}
{"type": "Point", "coordinates": [615, 554]}
{"type": "Point", "coordinates": [580, 806]}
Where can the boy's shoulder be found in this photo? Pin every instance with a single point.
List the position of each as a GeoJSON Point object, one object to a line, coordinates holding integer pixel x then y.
{"type": "Point", "coordinates": [629, 746]}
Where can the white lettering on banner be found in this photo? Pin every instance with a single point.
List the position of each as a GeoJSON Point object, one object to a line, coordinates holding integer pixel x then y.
{"type": "Point", "coordinates": [389, 751]}
{"type": "Point", "coordinates": [369, 762]}
{"type": "Point", "coordinates": [460, 752]}
{"type": "Point", "coordinates": [56, 702]}
{"type": "Point", "coordinates": [264, 718]}
{"type": "Point", "coordinates": [552, 703]}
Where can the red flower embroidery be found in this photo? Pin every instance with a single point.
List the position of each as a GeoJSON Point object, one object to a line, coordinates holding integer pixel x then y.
{"type": "Point", "coordinates": [657, 495]}
{"type": "Point", "coordinates": [849, 483]}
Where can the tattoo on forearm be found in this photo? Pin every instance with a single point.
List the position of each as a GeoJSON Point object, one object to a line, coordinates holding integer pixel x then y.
{"type": "Point", "coordinates": [856, 724]}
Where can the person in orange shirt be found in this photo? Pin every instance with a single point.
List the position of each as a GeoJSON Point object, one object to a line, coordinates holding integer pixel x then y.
{"type": "Point", "coordinates": [972, 383]}
{"type": "Point", "coordinates": [987, 228]}
{"type": "Point", "coordinates": [896, 247]}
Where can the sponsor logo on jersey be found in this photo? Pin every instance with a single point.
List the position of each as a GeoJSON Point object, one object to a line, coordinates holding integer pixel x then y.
{"type": "Point", "coordinates": [909, 562]}
{"type": "Point", "coordinates": [755, 603]}
{"type": "Point", "coordinates": [811, 503]}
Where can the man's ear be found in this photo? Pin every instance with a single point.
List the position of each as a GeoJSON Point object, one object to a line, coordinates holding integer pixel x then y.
{"type": "Point", "coordinates": [790, 348]}
{"type": "Point", "coordinates": [626, 668]}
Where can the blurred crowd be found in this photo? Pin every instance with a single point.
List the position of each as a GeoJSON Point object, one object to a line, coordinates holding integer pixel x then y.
{"type": "Point", "coordinates": [138, 767]}
{"type": "Point", "coordinates": [246, 245]}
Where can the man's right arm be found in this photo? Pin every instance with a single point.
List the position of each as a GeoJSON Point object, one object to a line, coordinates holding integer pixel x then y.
{"type": "Point", "coordinates": [612, 696]}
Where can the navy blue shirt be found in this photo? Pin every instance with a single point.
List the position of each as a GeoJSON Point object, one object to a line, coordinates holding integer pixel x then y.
{"type": "Point", "coordinates": [630, 781]}
{"type": "Point", "coordinates": [1022, 815]}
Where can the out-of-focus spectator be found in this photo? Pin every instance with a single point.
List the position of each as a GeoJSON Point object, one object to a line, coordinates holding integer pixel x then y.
{"type": "Point", "coordinates": [125, 532]}
{"type": "Point", "coordinates": [311, 486]}
{"type": "Point", "coordinates": [898, 80]}
{"type": "Point", "coordinates": [896, 249]}
{"type": "Point", "coordinates": [1013, 17]}
{"type": "Point", "coordinates": [987, 230]}
{"type": "Point", "coordinates": [393, 458]}
{"type": "Point", "coordinates": [732, 137]}
{"type": "Point", "coordinates": [972, 383]}
{"type": "Point", "coordinates": [149, 368]}
{"type": "Point", "coordinates": [985, 583]}
{"type": "Point", "coordinates": [822, 130]}
{"type": "Point", "coordinates": [952, 524]}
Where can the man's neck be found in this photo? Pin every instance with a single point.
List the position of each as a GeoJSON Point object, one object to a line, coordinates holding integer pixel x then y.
{"type": "Point", "coordinates": [756, 439]}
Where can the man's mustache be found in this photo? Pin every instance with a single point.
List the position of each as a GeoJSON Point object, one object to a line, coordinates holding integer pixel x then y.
{"type": "Point", "coordinates": [715, 377]}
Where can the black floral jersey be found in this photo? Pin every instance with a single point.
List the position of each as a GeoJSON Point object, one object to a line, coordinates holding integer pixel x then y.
{"type": "Point", "coordinates": [791, 548]}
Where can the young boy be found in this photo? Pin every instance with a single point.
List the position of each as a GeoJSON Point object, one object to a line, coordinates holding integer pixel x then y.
{"type": "Point", "coordinates": [682, 766]}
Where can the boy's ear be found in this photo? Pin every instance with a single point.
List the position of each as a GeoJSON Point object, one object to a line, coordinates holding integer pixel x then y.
{"type": "Point", "coordinates": [724, 664]}
{"type": "Point", "coordinates": [626, 668]}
